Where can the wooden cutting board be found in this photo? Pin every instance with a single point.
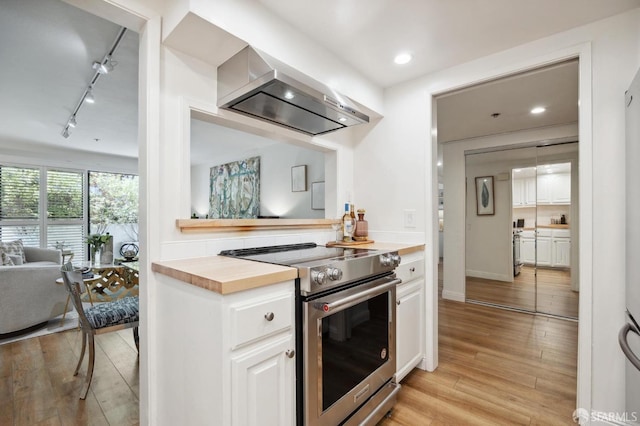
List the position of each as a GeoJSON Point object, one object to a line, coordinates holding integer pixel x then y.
{"type": "Point", "coordinates": [348, 243]}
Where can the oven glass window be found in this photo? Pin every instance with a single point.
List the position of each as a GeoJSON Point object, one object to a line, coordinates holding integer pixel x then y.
{"type": "Point", "coordinates": [355, 342]}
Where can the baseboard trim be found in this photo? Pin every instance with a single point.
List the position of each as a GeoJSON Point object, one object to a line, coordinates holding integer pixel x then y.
{"type": "Point", "coordinates": [452, 295]}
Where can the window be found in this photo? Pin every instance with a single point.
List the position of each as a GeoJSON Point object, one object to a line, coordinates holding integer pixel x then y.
{"type": "Point", "coordinates": [20, 204]}
{"type": "Point", "coordinates": [65, 211]}
{"type": "Point", "coordinates": [113, 207]}
{"type": "Point", "coordinates": [47, 207]}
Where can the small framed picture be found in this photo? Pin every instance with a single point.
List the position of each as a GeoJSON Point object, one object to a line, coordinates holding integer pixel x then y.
{"type": "Point", "coordinates": [484, 196]}
{"type": "Point", "coordinates": [317, 195]}
{"type": "Point", "coordinates": [298, 178]}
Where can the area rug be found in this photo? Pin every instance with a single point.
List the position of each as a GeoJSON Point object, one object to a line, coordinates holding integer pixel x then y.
{"type": "Point", "coordinates": [54, 326]}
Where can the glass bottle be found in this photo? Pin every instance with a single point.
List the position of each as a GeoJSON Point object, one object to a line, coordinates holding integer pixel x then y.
{"type": "Point", "coordinates": [362, 228]}
{"type": "Point", "coordinates": [347, 224]}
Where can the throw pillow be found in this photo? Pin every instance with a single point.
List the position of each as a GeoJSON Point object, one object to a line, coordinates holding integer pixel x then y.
{"type": "Point", "coordinates": [16, 259]}
{"type": "Point", "coordinates": [14, 247]}
{"type": "Point", "coordinates": [6, 260]}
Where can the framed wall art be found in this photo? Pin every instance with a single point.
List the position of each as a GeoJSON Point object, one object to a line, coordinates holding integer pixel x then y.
{"type": "Point", "coordinates": [235, 190]}
{"type": "Point", "coordinates": [484, 196]}
{"type": "Point", "coordinates": [298, 178]}
{"type": "Point", "coordinates": [317, 195]}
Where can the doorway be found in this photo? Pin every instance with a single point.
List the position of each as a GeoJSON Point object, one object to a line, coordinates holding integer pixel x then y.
{"type": "Point", "coordinates": [520, 257]}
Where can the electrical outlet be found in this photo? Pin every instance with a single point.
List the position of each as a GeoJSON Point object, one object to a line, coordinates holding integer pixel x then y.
{"type": "Point", "coordinates": [409, 218]}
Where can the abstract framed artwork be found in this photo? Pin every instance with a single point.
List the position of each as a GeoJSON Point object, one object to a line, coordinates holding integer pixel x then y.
{"type": "Point", "coordinates": [235, 190]}
{"type": "Point", "coordinates": [484, 196]}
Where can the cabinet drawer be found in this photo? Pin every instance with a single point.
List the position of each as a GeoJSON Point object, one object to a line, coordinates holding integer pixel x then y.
{"type": "Point", "coordinates": [410, 270]}
{"type": "Point", "coordinates": [260, 318]}
{"type": "Point", "coordinates": [542, 232]}
{"type": "Point", "coordinates": [561, 233]}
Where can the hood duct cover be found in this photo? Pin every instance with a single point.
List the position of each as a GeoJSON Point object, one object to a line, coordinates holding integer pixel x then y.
{"type": "Point", "coordinates": [255, 84]}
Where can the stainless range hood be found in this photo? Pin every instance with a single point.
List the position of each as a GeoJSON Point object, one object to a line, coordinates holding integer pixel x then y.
{"type": "Point", "coordinates": [255, 84]}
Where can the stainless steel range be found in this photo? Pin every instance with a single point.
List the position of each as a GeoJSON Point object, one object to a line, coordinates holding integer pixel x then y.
{"type": "Point", "coordinates": [345, 330]}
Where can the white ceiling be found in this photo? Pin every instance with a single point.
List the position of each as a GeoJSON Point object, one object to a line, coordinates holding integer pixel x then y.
{"type": "Point", "coordinates": [47, 48]}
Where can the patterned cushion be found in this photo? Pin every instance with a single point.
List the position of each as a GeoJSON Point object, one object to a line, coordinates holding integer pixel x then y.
{"type": "Point", "coordinates": [121, 311]}
{"type": "Point", "coordinates": [6, 260]}
{"type": "Point", "coordinates": [13, 247]}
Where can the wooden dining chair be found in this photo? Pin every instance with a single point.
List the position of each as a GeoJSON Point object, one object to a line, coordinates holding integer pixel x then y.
{"type": "Point", "coordinates": [98, 319]}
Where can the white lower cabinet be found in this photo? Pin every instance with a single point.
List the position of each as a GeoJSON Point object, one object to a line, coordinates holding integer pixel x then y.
{"type": "Point", "coordinates": [262, 384]}
{"type": "Point", "coordinates": [409, 314]}
{"type": "Point", "coordinates": [528, 250]}
{"type": "Point", "coordinates": [227, 359]}
{"type": "Point", "coordinates": [543, 251]}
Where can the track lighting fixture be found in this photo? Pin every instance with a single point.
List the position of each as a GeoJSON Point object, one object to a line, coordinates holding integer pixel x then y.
{"type": "Point", "coordinates": [103, 67]}
{"type": "Point", "coordinates": [88, 96]}
{"type": "Point", "coordinates": [106, 66]}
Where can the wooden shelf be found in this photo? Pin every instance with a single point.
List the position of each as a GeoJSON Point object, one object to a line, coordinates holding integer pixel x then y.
{"type": "Point", "coordinates": [222, 225]}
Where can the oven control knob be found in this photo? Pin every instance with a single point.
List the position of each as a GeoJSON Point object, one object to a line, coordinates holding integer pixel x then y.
{"type": "Point", "coordinates": [319, 277]}
{"type": "Point", "coordinates": [334, 274]}
{"type": "Point", "coordinates": [395, 259]}
{"type": "Point", "coordinates": [385, 260]}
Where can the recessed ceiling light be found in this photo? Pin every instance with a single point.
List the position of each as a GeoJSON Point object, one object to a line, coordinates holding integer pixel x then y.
{"type": "Point", "coordinates": [342, 119]}
{"type": "Point", "coordinates": [538, 110]}
{"type": "Point", "coordinates": [289, 95]}
{"type": "Point", "coordinates": [402, 58]}
{"type": "Point", "coordinates": [517, 170]}
{"type": "Point", "coordinates": [439, 163]}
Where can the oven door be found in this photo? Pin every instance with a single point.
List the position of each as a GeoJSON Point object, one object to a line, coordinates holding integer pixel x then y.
{"type": "Point", "coordinates": [349, 349]}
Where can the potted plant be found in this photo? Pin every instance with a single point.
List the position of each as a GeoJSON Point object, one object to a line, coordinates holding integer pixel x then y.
{"type": "Point", "coordinates": [96, 242]}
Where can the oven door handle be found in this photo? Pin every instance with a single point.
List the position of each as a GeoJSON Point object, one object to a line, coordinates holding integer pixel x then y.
{"type": "Point", "coordinates": [363, 295]}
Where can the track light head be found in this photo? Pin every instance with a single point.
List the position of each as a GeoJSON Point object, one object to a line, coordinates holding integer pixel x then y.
{"type": "Point", "coordinates": [89, 98]}
{"type": "Point", "coordinates": [65, 132]}
{"type": "Point", "coordinates": [104, 67]}
{"type": "Point", "coordinates": [72, 121]}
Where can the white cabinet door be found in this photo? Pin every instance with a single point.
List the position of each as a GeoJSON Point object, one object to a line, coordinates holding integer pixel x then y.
{"type": "Point", "coordinates": [545, 184]}
{"type": "Point", "coordinates": [263, 384]}
{"type": "Point", "coordinates": [528, 251]}
{"type": "Point", "coordinates": [517, 188]}
{"type": "Point", "coordinates": [530, 194]}
{"type": "Point", "coordinates": [562, 189]}
{"type": "Point", "coordinates": [408, 328]}
{"type": "Point", "coordinates": [561, 252]}
{"type": "Point", "coordinates": [543, 250]}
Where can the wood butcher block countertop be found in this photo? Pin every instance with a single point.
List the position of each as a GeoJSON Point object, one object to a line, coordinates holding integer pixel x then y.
{"type": "Point", "coordinates": [226, 275]}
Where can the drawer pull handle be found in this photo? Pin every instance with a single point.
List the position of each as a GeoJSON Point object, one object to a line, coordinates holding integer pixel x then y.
{"type": "Point", "coordinates": [269, 316]}
{"type": "Point", "coordinates": [290, 353]}
{"type": "Point", "coordinates": [412, 269]}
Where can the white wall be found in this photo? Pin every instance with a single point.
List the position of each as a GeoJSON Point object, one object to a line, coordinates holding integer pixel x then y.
{"type": "Point", "coordinates": [609, 59]}
{"type": "Point", "coordinates": [276, 197]}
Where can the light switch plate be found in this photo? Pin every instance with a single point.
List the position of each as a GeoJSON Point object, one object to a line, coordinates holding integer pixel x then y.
{"type": "Point", "coordinates": [409, 218]}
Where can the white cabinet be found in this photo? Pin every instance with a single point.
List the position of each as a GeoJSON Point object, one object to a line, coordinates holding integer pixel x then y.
{"type": "Point", "coordinates": [524, 192]}
{"type": "Point", "coordinates": [554, 188]}
{"type": "Point", "coordinates": [561, 193]}
{"type": "Point", "coordinates": [543, 247]}
{"type": "Point", "coordinates": [561, 248]}
{"type": "Point", "coordinates": [263, 370]}
{"type": "Point", "coordinates": [226, 359]}
{"type": "Point", "coordinates": [528, 247]}
{"type": "Point", "coordinates": [262, 384]}
{"type": "Point", "coordinates": [409, 314]}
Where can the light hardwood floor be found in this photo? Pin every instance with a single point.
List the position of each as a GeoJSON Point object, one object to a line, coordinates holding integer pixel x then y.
{"type": "Point", "coordinates": [554, 295]}
{"type": "Point", "coordinates": [495, 367]}
{"type": "Point", "coordinates": [37, 386]}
